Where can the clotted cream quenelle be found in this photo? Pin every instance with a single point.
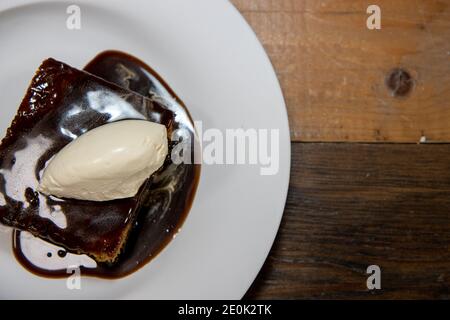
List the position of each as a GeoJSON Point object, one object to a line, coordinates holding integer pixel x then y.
{"type": "Point", "coordinates": [107, 163]}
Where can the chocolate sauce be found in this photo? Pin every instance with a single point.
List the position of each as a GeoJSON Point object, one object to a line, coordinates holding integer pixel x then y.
{"type": "Point", "coordinates": [62, 253]}
{"type": "Point", "coordinates": [60, 104]}
{"type": "Point", "coordinates": [170, 191]}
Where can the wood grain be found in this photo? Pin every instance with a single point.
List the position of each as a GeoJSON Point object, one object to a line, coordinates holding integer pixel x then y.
{"type": "Point", "coordinates": [333, 69]}
{"type": "Point", "coordinates": [354, 205]}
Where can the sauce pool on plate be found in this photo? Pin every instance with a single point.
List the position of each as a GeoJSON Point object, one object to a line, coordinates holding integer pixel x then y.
{"type": "Point", "coordinates": [170, 192]}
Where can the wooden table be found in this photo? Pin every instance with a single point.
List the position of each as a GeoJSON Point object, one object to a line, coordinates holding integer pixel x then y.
{"type": "Point", "coordinates": [369, 117]}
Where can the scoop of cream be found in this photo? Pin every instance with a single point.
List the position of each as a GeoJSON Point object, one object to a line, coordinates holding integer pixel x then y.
{"type": "Point", "coordinates": [106, 163]}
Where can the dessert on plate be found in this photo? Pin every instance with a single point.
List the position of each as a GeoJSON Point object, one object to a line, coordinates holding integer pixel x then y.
{"type": "Point", "coordinates": [85, 164]}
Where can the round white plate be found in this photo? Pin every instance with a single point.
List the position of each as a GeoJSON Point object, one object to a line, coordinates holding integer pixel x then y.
{"type": "Point", "coordinates": [209, 55]}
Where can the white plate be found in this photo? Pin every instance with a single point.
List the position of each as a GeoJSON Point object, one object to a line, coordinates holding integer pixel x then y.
{"type": "Point", "coordinates": [211, 58]}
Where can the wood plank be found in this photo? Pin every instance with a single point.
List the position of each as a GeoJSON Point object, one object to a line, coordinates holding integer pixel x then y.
{"type": "Point", "coordinates": [333, 69]}
{"type": "Point", "coordinates": [354, 205]}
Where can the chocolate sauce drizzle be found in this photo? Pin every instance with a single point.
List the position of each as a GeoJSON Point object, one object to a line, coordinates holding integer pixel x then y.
{"type": "Point", "coordinates": [171, 190]}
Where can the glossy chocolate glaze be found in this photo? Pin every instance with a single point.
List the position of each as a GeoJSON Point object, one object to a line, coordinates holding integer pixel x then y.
{"type": "Point", "coordinates": [61, 103]}
{"type": "Point", "coordinates": [167, 197]}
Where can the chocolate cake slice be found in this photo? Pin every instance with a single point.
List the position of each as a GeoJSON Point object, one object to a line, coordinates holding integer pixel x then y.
{"type": "Point", "coordinates": [61, 104]}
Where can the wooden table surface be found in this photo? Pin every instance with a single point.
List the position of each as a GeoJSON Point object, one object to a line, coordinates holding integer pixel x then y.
{"type": "Point", "coordinates": [363, 190]}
